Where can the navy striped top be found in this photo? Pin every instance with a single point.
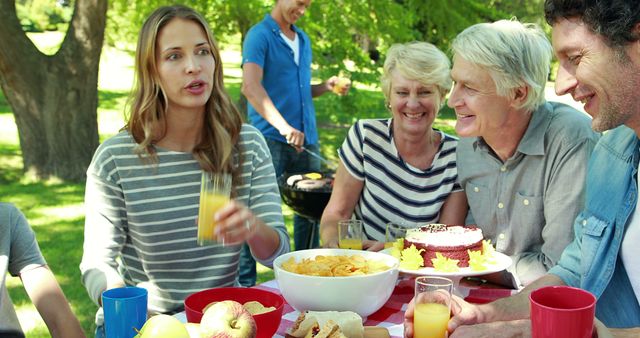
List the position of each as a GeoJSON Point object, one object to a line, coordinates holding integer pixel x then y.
{"type": "Point", "coordinates": [395, 191]}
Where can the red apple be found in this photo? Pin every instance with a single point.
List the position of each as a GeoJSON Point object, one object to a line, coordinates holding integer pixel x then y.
{"type": "Point", "coordinates": [227, 319]}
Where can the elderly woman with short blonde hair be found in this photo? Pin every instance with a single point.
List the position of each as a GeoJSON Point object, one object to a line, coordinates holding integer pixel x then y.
{"type": "Point", "coordinates": [399, 169]}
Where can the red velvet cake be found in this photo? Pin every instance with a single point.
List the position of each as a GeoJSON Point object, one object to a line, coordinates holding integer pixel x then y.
{"type": "Point", "coordinates": [451, 241]}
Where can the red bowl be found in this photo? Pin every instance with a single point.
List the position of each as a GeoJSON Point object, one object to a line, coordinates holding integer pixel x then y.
{"type": "Point", "coordinates": [267, 323]}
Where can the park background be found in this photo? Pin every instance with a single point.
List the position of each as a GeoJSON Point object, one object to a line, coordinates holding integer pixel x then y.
{"type": "Point", "coordinates": [41, 134]}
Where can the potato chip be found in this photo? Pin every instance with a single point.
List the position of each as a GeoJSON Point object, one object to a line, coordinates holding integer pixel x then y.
{"type": "Point", "coordinates": [253, 307]}
{"type": "Point", "coordinates": [256, 308]}
{"type": "Point", "coordinates": [335, 266]}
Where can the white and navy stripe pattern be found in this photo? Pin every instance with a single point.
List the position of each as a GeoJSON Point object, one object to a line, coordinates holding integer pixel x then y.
{"type": "Point", "coordinates": [395, 191]}
{"type": "Point", "coordinates": [141, 220]}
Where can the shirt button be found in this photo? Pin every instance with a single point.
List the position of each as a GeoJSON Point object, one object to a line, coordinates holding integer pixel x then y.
{"type": "Point", "coordinates": [500, 205]}
{"type": "Point", "coordinates": [503, 168]}
{"type": "Point", "coordinates": [476, 189]}
{"type": "Point", "coordinates": [584, 222]}
{"type": "Point", "coordinates": [525, 202]}
{"type": "Point", "coordinates": [502, 236]}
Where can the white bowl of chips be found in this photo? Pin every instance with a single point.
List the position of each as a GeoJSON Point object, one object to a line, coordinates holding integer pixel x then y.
{"type": "Point", "coordinates": [336, 279]}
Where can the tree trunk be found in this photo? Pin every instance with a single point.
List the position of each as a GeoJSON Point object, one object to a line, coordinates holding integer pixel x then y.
{"type": "Point", "coordinates": [54, 98]}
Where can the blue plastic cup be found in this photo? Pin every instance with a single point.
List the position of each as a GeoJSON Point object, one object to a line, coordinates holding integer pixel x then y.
{"type": "Point", "coordinates": [125, 311]}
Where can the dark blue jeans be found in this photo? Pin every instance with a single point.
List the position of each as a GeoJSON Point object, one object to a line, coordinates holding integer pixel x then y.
{"type": "Point", "coordinates": [100, 332]}
{"type": "Point", "coordinates": [287, 160]}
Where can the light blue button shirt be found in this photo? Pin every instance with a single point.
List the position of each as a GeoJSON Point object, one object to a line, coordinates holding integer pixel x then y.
{"type": "Point", "coordinates": [592, 261]}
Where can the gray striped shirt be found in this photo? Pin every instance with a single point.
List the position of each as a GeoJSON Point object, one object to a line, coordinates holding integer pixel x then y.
{"type": "Point", "coordinates": [395, 191]}
{"type": "Point", "coordinates": [140, 220]}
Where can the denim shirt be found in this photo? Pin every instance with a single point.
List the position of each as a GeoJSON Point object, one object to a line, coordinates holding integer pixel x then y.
{"type": "Point", "coordinates": [592, 261]}
{"type": "Point", "coordinates": [288, 84]}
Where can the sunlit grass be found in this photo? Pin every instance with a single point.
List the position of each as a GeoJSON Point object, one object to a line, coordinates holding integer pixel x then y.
{"type": "Point", "coordinates": [47, 42]}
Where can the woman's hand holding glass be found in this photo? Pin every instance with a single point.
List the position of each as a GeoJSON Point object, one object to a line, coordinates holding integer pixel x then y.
{"type": "Point", "coordinates": [236, 223]}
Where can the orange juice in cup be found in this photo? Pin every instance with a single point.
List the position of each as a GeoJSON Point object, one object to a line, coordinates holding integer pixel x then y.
{"type": "Point", "coordinates": [340, 85]}
{"type": "Point", "coordinates": [215, 190]}
{"type": "Point", "coordinates": [350, 234]}
{"type": "Point", "coordinates": [350, 243]}
{"type": "Point", "coordinates": [432, 307]}
{"type": "Point", "coordinates": [393, 232]}
{"type": "Point", "coordinates": [430, 320]}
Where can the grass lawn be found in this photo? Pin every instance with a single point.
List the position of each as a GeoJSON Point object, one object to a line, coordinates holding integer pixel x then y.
{"type": "Point", "coordinates": [55, 209]}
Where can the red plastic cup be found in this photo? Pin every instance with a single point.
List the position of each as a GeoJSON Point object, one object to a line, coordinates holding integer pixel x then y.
{"type": "Point", "coordinates": [562, 311]}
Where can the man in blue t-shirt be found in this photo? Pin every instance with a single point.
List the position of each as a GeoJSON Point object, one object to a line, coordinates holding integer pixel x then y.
{"type": "Point", "coordinates": [276, 79]}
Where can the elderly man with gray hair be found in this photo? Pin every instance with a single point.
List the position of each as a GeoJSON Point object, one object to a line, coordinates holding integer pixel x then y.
{"type": "Point", "coordinates": [521, 159]}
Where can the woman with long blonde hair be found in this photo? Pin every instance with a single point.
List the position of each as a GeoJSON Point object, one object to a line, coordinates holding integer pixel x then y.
{"type": "Point", "coordinates": [143, 184]}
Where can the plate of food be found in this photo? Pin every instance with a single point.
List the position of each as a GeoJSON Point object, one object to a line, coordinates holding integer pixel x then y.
{"type": "Point", "coordinates": [502, 262]}
{"type": "Point", "coordinates": [333, 324]}
{"type": "Point", "coordinates": [448, 251]}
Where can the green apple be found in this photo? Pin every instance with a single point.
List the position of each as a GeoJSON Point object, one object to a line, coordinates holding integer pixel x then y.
{"type": "Point", "coordinates": [194, 330]}
{"type": "Point", "coordinates": [227, 319]}
{"type": "Point", "coordinates": [163, 326]}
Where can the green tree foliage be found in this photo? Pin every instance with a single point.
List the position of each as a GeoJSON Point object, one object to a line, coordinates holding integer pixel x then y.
{"type": "Point", "coordinates": [340, 29]}
{"type": "Point", "coordinates": [226, 18]}
{"type": "Point", "coordinates": [351, 37]}
{"type": "Point", "coordinates": [355, 30]}
{"type": "Point", "coordinates": [232, 17]}
{"type": "Point", "coordinates": [524, 10]}
{"type": "Point", "coordinates": [439, 21]}
{"type": "Point", "coordinates": [41, 15]}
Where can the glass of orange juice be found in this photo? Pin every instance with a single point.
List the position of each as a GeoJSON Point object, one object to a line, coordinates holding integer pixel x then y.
{"type": "Point", "coordinates": [350, 234]}
{"type": "Point", "coordinates": [215, 189]}
{"type": "Point", "coordinates": [340, 85]}
{"type": "Point", "coordinates": [432, 307]}
{"type": "Point", "coordinates": [393, 232]}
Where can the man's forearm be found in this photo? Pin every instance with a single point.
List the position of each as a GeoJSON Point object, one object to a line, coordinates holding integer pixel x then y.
{"type": "Point", "coordinates": [517, 306]}
{"type": "Point", "coordinates": [259, 99]}
{"type": "Point", "coordinates": [625, 333]}
{"type": "Point", "coordinates": [319, 89]}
